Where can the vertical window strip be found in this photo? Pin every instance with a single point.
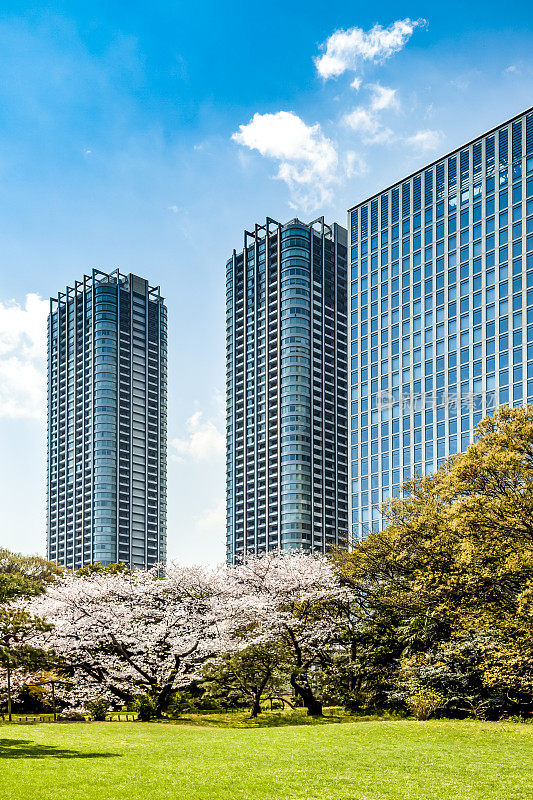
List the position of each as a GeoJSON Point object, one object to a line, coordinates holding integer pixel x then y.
{"type": "Point", "coordinates": [502, 146]}
{"type": "Point", "coordinates": [395, 204]}
{"type": "Point", "coordinates": [489, 155]}
{"type": "Point", "coordinates": [452, 172]}
{"type": "Point", "coordinates": [517, 141]}
{"type": "Point", "coordinates": [439, 181]}
{"type": "Point", "coordinates": [428, 187]}
{"type": "Point", "coordinates": [464, 167]}
{"type": "Point", "coordinates": [477, 158]}
{"type": "Point", "coordinates": [529, 134]}
{"type": "Point", "coordinates": [417, 192]}
{"type": "Point", "coordinates": [384, 210]}
{"type": "Point", "coordinates": [374, 215]}
{"type": "Point", "coordinates": [406, 199]}
{"type": "Point", "coordinates": [354, 225]}
{"type": "Point", "coordinates": [364, 221]}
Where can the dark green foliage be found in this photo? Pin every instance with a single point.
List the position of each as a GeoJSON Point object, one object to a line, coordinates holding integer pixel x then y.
{"type": "Point", "coordinates": [146, 708]}
{"type": "Point", "coordinates": [185, 703]}
{"type": "Point", "coordinates": [16, 652]}
{"type": "Point", "coordinates": [446, 590]}
{"type": "Point", "coordinates": [112, 569]}
{"type": "Point", "coordinates": [98, 708]}
{"type": "Point", "coordinates": [24, 576]}
{"type": "Point", "coordinates": [247, 676]}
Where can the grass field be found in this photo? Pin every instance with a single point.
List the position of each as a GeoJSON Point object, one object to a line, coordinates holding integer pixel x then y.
{"type": "Point", "coordinates": [361, 760]}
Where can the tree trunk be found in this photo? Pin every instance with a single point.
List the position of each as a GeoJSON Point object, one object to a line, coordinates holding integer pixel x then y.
{"type": "Point", "coordinates": [163, 698]}
{"type": "Point", "coordinates": [353, 656]}
{"type": "Point", "coordinates": [9, 716]}
{"type": "Point", "coordinates": [313, 706]}
{"type": "Point", "coordinates": [54, 701]}
{"type": "Point", "coordinates": [256, 708]}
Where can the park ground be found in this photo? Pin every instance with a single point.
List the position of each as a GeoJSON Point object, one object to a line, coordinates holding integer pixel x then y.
{"type": "Point", "coordinates": [364, 759]}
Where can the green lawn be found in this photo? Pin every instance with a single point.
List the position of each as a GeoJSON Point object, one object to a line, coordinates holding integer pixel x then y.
{"type": "Point", "coordinates": [361, 760]}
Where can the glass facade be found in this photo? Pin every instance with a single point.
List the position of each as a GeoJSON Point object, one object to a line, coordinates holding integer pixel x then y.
{"type": "Point", "coordinates": [441, 313]}
{"type": "Point", "coordinates": [107, 423]}
{"type": "Point", "coordinates": [287, 427]}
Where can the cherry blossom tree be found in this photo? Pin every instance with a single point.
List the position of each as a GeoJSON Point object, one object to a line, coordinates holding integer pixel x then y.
{"type": "Point", "coordinates": [129, 633]}
{"type": "Point", "coordinates": [123, 633]}
{"type": "Point", "coordinates": [293, 599]}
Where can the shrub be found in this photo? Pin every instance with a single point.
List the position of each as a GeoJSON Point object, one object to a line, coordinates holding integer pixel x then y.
{"type": "Point", "coordinates": [33, 698]}
{"type": "Point", "coordinates": [179, 703]}
{"type": "Point", "coordinates": [423, 701]}
{"type": "Point", "coordinates": [146, 708]}
{"type": "Point", "coordinates": [207, 703]}
{"type": "Point", "coordinates": [98, 708]}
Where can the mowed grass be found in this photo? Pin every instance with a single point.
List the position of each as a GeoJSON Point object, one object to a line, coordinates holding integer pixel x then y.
{"type": "Point", "coordinates": [361, 760]}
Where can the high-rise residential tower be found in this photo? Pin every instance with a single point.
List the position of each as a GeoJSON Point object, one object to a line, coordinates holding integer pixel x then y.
{"type": "Point", "coordinates": [287, 434]}
{"type": "Point", "coordinates": [441, 310]}
{"type": "Point", "coordinates": [107, 422]}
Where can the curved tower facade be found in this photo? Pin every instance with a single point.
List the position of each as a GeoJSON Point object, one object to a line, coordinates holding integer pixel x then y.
{"type": "Point", "coordinates": [107, 426]}
{"type": "Point", "coordinates": [287, 389]}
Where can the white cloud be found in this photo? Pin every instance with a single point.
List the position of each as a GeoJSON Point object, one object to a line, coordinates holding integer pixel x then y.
{"type": "Point", "coordinates": [425, 140]}
{"type": "Point", "coordinates": [355, 164]}
{"type": "Point", "coordinates": [364, 122]}
{"type": "Point", "coordinates": [344, 50]}
{"type": "Point", "coordinates": [23, 358]}
{"type": "Point", "coordinates": [213, 520]}
{"type": "Point", "coordinates": [206, 544]}
{"type": "Point", "coordinates": [460, 83]}
{"type": "Point", "coordinates": [383, 97]}
{"type": "Point", "coordinates": [204, 441]}
{"type": "Point", "coordinates": [356, 84]}
{"type": "Point", "coordinates": [24, 328]}
{"type": "Point", "coordinates": [307, 159]}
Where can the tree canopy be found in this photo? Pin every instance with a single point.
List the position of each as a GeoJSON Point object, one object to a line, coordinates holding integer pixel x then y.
{"type": "Point", "coordinates": [24, 575]}
{"type": "Point", "coordinates": [434, 613]}
{"type": "Point", "coordinates": [452, 573]}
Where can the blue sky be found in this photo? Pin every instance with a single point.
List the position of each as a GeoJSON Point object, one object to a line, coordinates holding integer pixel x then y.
{"type": "Point", "coordinates": [146, 137]}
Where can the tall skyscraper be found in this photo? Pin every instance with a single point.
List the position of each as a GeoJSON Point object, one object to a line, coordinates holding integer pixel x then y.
{"type": "Point", "coordinates": [107, 422]}
{"type": "Point", "coordinates": [287, 429]}
{"type": "Point", "coordinates": [441, 310]}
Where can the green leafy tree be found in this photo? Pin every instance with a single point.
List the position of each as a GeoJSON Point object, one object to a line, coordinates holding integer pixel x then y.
{"type": "Point", "coordinates": [42, 688]}
{"type": "Point", "coordinates": [21, 577]}
{"type": "Point", "coordinates": [17, 629]}
{"type": "Point", "coordinates": [146, 708]}
{"type": "Point", "coordinates": [452, 574]}
{"type": "Point", "coordinates": [98, 708]}
{"type": "Point", "coordinates": [246, 675]}
{"type": "Point", "coordinates": [112, 569]}
{"type": "Point", "coordinates": [24, 576]}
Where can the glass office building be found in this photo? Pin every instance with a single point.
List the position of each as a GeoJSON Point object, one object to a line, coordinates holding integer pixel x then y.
{"type": "Point", "coordinates": [441, 311]}
{"type": "Point", "coordinates": [287, 427]}
{"type": "Point", "coordinates": [107, 423]}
